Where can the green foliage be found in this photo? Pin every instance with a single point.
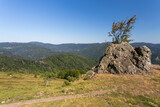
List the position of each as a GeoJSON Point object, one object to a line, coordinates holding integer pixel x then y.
{"type": "Point", "coordinates": [71, 79]}
{"type": "Point", "coordinates": [4, 52]}
{"type": "Point", "coordinates": [35, 75]}
{"type": "Point", "coordinates": [70, 75]}
{"type": "Point", "coordinates": [8, 64]}
{"type": "Point", "coordinates": [121, 30]}
{"type": "Point", "coordinates": [82, 71]}
{"type": "Point", "coordinates": [66, 83]}
{"type": "Point", "coordinates": [48, 75]}
{"type": "Point", "coordinates": [51, 64]}
{"type": "Point", "coordinates": [69, 61]}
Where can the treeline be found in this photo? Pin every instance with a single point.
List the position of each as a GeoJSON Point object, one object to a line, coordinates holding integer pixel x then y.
{"type": "Point", "coordinates": [69, 61]}
{"type": "Point", "coordinates": [70, 74]}
{"type": "Point", "coordinates": [10, 64]}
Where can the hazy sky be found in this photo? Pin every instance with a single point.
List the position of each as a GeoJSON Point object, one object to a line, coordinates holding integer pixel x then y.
{"type": "Point", "coordinates": [76, 21]}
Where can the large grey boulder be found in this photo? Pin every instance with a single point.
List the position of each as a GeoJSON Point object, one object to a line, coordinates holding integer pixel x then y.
{"type": "Point", "coordinates": [123, 58]}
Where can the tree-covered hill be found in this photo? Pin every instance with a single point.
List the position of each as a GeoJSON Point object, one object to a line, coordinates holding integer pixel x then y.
{"type": "Point", "coordinates": [69, 61]}
{"type": "Point", "coordinates": [26, 50]}
{"type": "Point", "coordinates": [92, 50]}
{"type": "Point", "coordinates": [12, 64]}
{"type": "Point", "coordinates": [7, 53]}
{"type": "Point", "coordinates": [52, 63]}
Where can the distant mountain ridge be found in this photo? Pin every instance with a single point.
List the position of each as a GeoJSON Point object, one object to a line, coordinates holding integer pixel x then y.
{"type": "Point", "coordinates": [4, 52]}
{"type": "Point", "coordinates": [91, 50]}
{"type": "Point", "coordinates": [39, 50]}
{"type": "Point", "coordinates": [97, 50]}
{"type": "Point", "coordinates": [69, 47]}
{"type": "Point", "coordinates": [26, 50]}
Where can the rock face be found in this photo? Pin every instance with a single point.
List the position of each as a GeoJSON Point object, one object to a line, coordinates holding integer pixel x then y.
{"type": "Point", "coordinates": [123, 58]}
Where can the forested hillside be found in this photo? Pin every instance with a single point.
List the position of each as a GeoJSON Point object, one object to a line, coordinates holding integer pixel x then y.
{"type": "Point", "coordinates": [69, 61]}
{"type": "Point", "coordinates": [4, 52]}
{"type": "Point", "coordinates": [26, 50]}
{"type": "Point", "coordinates": [10, 64]}
{"type": "Point", "coordinates": [52, 63]}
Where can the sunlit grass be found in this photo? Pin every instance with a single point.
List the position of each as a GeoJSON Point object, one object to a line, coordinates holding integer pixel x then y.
{"type": "Point", "coordinates": [24, 86]}
{"type": "Point", "coordinates": [74, 102]}
{"type": "Point", "coordinates": [126, 90]}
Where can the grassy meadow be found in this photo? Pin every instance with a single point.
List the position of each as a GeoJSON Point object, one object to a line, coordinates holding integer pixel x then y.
{"type": "Point", "coordinates": [122, 90]}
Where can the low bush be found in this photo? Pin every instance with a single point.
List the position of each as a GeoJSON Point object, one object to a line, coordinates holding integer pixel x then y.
{"type": "Point", "coordinates": [71, 79]}
{"type": "Point", "coordinates": [70, 75]}
{"type": "Point", "coordinates": [66, 83]}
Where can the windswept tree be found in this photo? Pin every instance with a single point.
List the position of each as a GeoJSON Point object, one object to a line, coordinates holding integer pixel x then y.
{"type": "Point", "coordinates": [121, 30]}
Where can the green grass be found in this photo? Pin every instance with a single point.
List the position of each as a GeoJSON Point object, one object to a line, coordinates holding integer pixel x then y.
{"type": "Point", "coordinates": [123, 90]}
{"type": "Point", "coordinates": [24, 87]}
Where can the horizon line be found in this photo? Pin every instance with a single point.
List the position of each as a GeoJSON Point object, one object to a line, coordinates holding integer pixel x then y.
{"type": "Point", "coordinates": [70, 43]}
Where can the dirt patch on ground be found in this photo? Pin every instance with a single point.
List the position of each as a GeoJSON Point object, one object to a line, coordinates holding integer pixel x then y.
{"type": "Point", "coordinates": [93, 93]}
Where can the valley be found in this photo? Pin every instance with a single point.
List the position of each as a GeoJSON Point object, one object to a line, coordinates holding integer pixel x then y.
{"type": "Point", "coordinates": [39, 50]}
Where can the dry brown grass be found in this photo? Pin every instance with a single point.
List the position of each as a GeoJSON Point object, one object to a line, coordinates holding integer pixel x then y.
{"type": "Point", "coordinates": [125, 89]}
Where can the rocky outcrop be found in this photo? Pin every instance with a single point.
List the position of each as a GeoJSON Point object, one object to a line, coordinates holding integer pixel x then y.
{"type": "Point", "coordinates": [123, 58]}
{"type": "Point", "coordinates": [90, 73]}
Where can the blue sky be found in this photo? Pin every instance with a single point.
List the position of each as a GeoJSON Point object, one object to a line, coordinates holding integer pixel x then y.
{"type": "Point", "coordinates": [76, 21]}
